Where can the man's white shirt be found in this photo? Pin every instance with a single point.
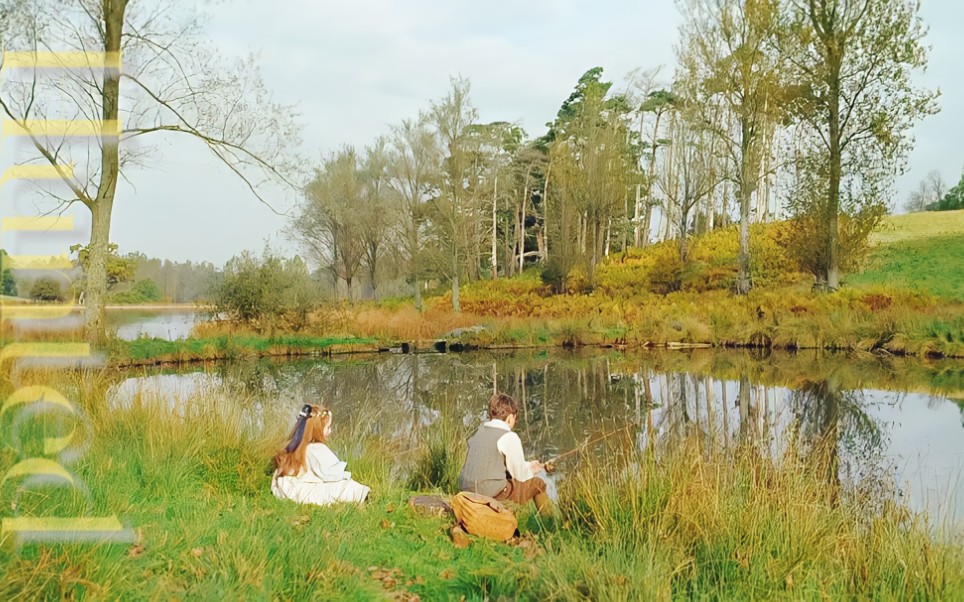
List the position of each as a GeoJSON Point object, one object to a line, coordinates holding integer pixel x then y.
{"type": "Point", "coordinates": [511, 447]}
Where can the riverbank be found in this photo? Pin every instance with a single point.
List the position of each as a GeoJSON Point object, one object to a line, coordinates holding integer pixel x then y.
{"type": "Point", "coordinates": [682, 520]}
{"type": "Point", "coordinates": [879, 321]}
{"type": "Point", "coordinates": [152, 351]}
{"type": "Point", "coordinates": [908, 300]}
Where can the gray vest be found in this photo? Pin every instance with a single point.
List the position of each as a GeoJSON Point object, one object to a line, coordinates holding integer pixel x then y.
{"type": "Point", "coordinates": [484, 470]}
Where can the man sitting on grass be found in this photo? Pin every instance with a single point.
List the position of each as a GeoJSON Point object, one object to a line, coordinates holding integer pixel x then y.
{"type": "Point", "coordinates": [495, 464]}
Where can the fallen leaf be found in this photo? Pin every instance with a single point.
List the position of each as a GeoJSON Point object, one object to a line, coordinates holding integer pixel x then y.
{"type": "Point", "coordinates": [197, 552]}
{"type": "Point", "coordinates": [390, 508]}
{"type": "Point", "coordinates": [460, 538]}
{"type": "Point", "coordinates": [446, 574]}
{"type": "Point", "coordinates": [137, 549]}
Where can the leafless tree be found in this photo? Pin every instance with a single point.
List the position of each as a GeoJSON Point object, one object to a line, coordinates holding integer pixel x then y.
{"type": "Point", "coordinates": [120, 73]}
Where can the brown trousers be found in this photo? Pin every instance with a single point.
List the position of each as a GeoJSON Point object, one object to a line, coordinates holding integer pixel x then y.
{"type": "Point", "coordinates": [521, 492]}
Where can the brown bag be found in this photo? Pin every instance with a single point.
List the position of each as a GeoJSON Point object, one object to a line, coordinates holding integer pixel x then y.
{"type": "Point", "coordinates": [484, 516]}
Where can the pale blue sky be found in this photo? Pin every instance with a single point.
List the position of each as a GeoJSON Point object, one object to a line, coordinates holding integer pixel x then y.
{"type": "Point", "coordinates": [354, 68]}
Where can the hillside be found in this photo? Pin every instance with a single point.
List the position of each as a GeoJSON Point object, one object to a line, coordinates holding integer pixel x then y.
{"type": "Point", "coordinates": [923, 252]}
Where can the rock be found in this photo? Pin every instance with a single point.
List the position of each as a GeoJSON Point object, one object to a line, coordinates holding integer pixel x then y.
{"type": "Point", "coordinates": [429, 505]}
{"type": "Point", "coordinates": [458, 332]}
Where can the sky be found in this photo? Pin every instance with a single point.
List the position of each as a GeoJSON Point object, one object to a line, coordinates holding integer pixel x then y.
{"type": "Point", "coordinates": [354, 68]}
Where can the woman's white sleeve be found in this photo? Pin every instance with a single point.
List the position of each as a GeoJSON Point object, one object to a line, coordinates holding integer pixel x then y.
{"type": "Point", "coordinates": [325, 464]}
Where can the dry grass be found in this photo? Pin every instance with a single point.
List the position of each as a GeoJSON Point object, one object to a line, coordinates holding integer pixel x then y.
{"type": "Point", "coordinates": [406, 323]}
{"type": "Point", "coordinates": [913, 226]}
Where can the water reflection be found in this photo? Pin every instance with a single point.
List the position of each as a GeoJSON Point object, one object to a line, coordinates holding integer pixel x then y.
{"type": "Point", "coordinates": [168, 325]}
{"type": "Point", "coordinates": [855, 415]}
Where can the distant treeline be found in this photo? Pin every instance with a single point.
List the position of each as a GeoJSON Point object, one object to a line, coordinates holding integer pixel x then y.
{"type": "Point", "coordinates": [132, 278]}
{"type": "Point", "coordinates": [932, 195]}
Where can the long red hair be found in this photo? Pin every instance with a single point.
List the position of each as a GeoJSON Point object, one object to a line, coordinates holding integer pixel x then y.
{"type": "Point", "coordinates": [310, 428]}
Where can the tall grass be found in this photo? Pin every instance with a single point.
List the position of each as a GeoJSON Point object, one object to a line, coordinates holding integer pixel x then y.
{"type": "Point", "coordinates": [680, 522]}
{"type": "Point", "coordinates": [741, 526]}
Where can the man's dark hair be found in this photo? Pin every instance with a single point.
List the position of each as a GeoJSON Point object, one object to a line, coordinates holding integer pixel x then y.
{"type": "Point", "coordinates": [501, 406]}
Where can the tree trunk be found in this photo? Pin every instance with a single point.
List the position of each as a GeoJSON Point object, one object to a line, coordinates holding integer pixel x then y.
{"type": "Point", "coordinates": [414, 247]}
{"type": "Point", "coordinates": [743, 282]}
{"type": "Point", "coordinates": [95, 330]}
{"type": "Point", "coordinates": [545, 208]}
{"type": "Point", "coordinates": [95, 297]}
{"type": "Point", "coordinates": [649, 182]}
{"type": "Point", "coordinates": [833, 198]}
{"type": "Point", "coordinates": [647, 223]}
{"type": "Point", "coordinates": [637, 217]}
{"type": "Point", "coordinates": [495, 231]}
{"type": "Point", "coordinates": [522, 232]}
{"type": "Point", "coordinates": [418, 293]}
{"type": "Point", "coordinates": [456, 304]}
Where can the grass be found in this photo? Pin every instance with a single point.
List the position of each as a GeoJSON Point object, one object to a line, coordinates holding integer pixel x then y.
{"type": "Point", "coordinates": [154, 350]}
{"type": "Point", "coordinates": [681, 522]}
{"type": "Point", "coordinates": [915, 226]}
{"type": "Point", "coordinates": [932, 264]}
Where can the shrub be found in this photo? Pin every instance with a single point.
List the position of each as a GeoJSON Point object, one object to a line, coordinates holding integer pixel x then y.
{"type": "Point", "coordinates": [267, 292]}
{"type": "Point", "coordinates": [46, 289]}
{"type": "Point", "coordinates": [145, 291]}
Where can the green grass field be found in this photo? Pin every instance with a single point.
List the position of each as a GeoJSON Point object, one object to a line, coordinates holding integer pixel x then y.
{"type": "Point", "coordinates": [919, 251]}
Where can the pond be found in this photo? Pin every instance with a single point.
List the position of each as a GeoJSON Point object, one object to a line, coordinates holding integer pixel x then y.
{"type": "Point", "coordinates": [891, 422]}
{"type": "Point", "coordinates": [169, 324]}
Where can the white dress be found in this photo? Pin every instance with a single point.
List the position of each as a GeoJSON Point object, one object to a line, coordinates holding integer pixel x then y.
{"type": "Point", "coordinates": [324, 480]}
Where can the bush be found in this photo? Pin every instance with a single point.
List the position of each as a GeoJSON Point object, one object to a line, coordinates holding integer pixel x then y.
{"type": "Point", "coordinates": [47, 289]}
{"type": "Point", "coordinates": [145, 291]}
{"type": "Point", "coordinates": [8, 286]}
{"type": "Point", "coordinates": [553, 276]}
{"type": "Point", "coordinates": [267, 292]}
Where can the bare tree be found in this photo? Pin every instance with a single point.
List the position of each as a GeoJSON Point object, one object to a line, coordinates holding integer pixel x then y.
{"type": "Point", "coordinates": [929, 191]}
{"type": "Point", "coordinates": [330, 222]}
{"type": "Point", "coordinates": [657, 103]}
{"type": "Point", "coordinates": [378, 213]}
{"type": "Point", "coordinates": [690, 172]}
{"type": "Point", "coordinates": [148, 69]}
{"type": "Point", "coordinates": [457, 215]}
{"type": "Point", "coordinates": [413, 172]}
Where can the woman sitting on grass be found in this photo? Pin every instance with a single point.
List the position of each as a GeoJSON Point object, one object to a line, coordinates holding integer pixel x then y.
{"type": "Point", "coordinates": [307, 471]}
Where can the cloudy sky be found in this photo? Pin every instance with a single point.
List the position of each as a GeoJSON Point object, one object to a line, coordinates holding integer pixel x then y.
{"type": "Point", "coordinates": [354, 68]}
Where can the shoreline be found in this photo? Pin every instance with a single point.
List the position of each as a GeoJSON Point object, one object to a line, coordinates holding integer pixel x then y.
{"type": "Point", "coordinates": [280, 348]}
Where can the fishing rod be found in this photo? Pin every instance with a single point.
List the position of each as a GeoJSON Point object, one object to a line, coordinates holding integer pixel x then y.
{"type": "Point", "coordinates": [553, 460]}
